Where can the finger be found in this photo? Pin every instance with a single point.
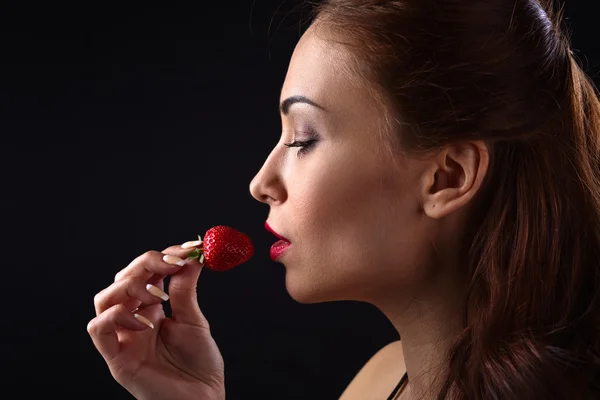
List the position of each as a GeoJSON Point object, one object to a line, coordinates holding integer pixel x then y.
{"type": "Point", "coordinates": [153, 262]}
{"type": "Point", "coordinates": [102, 329]}
{"type": "Point", "coordinates": [176, 251]}
{"type": "Point", "coordinates": [157, 281]}
{"type": "Point", "coordinates": [184, 298]}
{"type": "Point", "coordinates": [131, 293]}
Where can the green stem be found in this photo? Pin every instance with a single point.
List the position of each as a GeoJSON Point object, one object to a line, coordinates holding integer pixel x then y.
{"type": "Point", "coordinates": [195, 254]}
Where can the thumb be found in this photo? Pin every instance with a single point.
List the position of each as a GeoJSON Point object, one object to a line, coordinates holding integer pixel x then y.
{"type": "Point", "coordinates": [183, 296]}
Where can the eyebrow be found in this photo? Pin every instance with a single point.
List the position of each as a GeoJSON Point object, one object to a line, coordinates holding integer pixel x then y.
{"type": "Point", "coordinates": [285, 105]}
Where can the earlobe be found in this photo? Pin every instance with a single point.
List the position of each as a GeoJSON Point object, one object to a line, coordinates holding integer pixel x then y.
{"type": "Point", "coordinates": [454, 177]}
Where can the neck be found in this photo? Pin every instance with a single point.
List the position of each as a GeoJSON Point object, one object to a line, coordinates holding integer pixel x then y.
{"type": "Point", "coordinates": [428, 325]}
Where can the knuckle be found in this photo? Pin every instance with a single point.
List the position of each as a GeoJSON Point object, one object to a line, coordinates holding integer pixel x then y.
{"type": "Point", "coordinates": [127, 281]}
{"type": "Point", "coordinates": [92, 327]}
{"type": "Point", "coordinates": [148, 256]}
{"type": "Point", "coordinates": [98, 298]}
{"type": "Point", "coordinates": [107, 297]}
{"type": "Point", "coordinates": [138, 262]}
{"type": "Point", "coordinates": [141, 259]}
{"type": "Point", "coordinates": [174, 249]}
{"type": "Point", "coordinates": [132, 287]}
{"type": "Point", "coordinates": [118, 309]}
{"type": "Point", "coordinates": [111, 313]}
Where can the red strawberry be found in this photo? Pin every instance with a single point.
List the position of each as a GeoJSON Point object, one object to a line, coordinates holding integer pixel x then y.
{"type": "Point", "coordinates": [224, 248]}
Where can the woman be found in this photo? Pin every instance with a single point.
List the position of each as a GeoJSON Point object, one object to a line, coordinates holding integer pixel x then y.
{"type": "Point", "coordinates": [447, 172]}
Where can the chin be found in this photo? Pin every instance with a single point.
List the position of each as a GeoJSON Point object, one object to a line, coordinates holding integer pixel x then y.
{"type": "Point", "coordinates": [307, 292]}
{"type": "Point", "coordinates": [301, 294]}
{"type": "Point", "coordinates": [300, 290]}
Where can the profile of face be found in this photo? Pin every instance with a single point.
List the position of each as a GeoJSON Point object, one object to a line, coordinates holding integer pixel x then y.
{"type": "Point", "coordinates": [355, 214]}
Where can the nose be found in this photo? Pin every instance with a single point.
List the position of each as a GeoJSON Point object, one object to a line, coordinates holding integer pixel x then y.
{"type": "Point", "coordinates": [267, 186]}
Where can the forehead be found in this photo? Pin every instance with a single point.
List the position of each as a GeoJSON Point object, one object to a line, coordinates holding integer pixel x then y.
{"type": "Point", "coordinates": [323, 69]}
{"type": "Point", "coordinates": [318, 66]}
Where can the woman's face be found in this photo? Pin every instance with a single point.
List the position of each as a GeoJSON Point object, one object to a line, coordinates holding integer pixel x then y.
{"type": "Point", "coordinates": [354, 220]}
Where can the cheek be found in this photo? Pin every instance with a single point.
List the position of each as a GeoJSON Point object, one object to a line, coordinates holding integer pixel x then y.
{"type": "Point", "coordinates": [355, 229]}
{"type": "Point", "coordinates": [333, 200]}
{"type": "Point", "coordinates": [346, 208]}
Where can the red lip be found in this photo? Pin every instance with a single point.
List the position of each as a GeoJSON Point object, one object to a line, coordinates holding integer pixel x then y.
{"type": "Point", "coordinates": [267, 227]}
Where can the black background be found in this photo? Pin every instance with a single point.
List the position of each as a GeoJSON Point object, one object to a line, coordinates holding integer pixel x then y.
{"type": "Point", "coordinates": [130, 127]}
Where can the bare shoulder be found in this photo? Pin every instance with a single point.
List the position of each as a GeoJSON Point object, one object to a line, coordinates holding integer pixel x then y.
{"type": "Point", "coordinates": [379, 376]}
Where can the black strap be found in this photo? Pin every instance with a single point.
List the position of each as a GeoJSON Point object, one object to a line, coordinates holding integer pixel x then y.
{"type": "Point", "coordinates": [398, 386]}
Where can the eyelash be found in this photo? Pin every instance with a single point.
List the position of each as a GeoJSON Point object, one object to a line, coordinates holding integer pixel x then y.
{"type": "Point", "coordinates": [304, 145]}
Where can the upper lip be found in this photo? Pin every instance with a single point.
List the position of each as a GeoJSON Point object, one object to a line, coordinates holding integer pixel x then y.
{"type": "Point", "coordinates": [268, 227]}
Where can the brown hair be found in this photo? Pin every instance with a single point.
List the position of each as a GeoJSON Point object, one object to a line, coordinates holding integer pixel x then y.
{"type": "Point", "coordinates": [503, 72]}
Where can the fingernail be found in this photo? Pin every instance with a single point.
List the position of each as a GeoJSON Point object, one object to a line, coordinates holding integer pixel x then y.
{"type": "Point", "coordinates": [144, 320]}
{"type": "Point", "coordinates": [169, 259]}
{"type": "Point", "coordinates": [191, 244]}
{"type": "Point", "coordinates": [154, 291]}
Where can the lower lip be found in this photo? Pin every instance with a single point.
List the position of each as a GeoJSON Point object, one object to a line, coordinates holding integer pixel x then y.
{"type": "Point", "coordinates": [278, 248]}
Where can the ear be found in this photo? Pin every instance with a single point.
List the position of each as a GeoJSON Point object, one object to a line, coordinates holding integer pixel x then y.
{"type": "Point", "coordinates": [454, 177]}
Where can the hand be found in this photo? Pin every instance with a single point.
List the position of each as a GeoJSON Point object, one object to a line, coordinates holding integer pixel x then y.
{"type": "Point", "coordinates": [178, 358]}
